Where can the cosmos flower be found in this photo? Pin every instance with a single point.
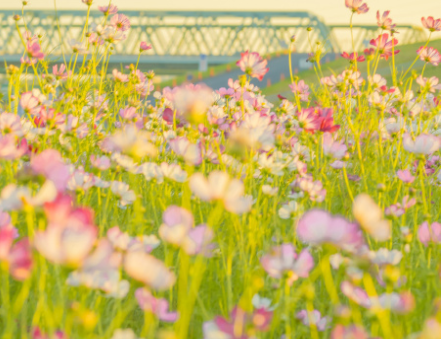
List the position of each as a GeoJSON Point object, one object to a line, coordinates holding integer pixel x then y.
{"type": "Point", "coordinates": [431, 24]}
{"type": "Point", "coordinates": [423, 144]}
{"type": "Point", "coordinates": [430, 55]}
{"type": "Point", "coordinates": [148, 270]}
{"type": "Point", "coordinates": [314, 317]}
{"type": "Point", "coordinates": [317, 227]}
{"type": "Point", "coordinates": [384, 22]}
{"type": "Point", "coordinates": [370, 217]}
{"type": "Point", "coordinates": [159, 307]}
{"type": "Point", "coordinates": [253, 65]}
{"type": "Point", "coordinates": [383, 46]}
{"type": "Point", "coordinates": [357, 6]}
{"type": "Point", "coordinates": [219, 186]}
{"type": "Point", "coordinates": [284, 260]}
{"type": "Point", "coordinates": [120, 22]}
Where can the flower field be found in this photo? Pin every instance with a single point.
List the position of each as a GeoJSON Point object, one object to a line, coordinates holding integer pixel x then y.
{"type": "Point", "coordinates": [193, 212]}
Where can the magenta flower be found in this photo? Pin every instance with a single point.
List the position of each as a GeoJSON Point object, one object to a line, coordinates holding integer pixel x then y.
{"type": "Point", "coordinates": [383, 46]}
{"type": "Point", "coordinates": [253, 65]}
{"type": "Point", "coordinates": [144, 46]}
{"type": "Point", "coordinates": [353, 57]}
{"type": "Point", "coordinates": [384, 22]}
{"type": "Point", "coordinates": [302, 89]}
{"type": "Point", "coordinates": [431, 24]}
{"type": "Point", "coordinates": [405, 176]}
{"type": "Point", "coordinates": [429, 233]}
{"type": "Point", "coordinates": [158, 307]}
{"type": "Point", "coordinates": [357, 6]}
{"type": "Point", "coordinates": [284, 260]}
{"type": "Point", "coordinates": [429, 54]}
{"type": "Point", "coordinates": [120, 22]}
{"type": "Point", "coordinates": [318, 227]}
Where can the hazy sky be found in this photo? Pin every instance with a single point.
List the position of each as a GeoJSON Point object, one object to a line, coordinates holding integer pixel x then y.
{"type": "Point", "coordinates": [333, 11]}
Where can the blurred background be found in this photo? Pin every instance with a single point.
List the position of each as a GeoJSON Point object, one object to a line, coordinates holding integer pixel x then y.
{"type": "Point", "coordinates": [200, 40]}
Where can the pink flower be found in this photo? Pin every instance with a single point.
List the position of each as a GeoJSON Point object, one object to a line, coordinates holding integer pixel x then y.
{"type": "Point", "coordinates": [128, 113]}
{"type": "Point", "coordinates": [384, 22]}
{"type": "Point", "coordinates": [333, 148]}
{"type": "Point", "coordinates": [383, 46]}
{"type": "Point", "coordinates": [59, 71]}
{"type": "Point", "coordinates": [240, 323]}
{"type": "Point", "coordinates": [50, 164]}
{"type": "Point", "coordinates": [158, 307]}
{"type": "Point", "coordinates": [424, 144]}
{"type": "Point", "coordinates": [405, 176]}
{"type": "Point", "coordinates": [198, 241]}
{"type": "Point", "coordinates": [102, 162]}
{"type": "Point", "coordinates": [353, 56]}
{"type": "Point", "coordinates": [177, 222]}
{"type": "Point", "coordinates": [144, 46]}
{"type": "Point", "coordinates": [283, 259]}
{"type": "Point", "coordinates": [191, 153]}
{"type": "Point", "coordinates": [313, 317]}
{"type": "Point", "coordinates": [106, 10]}
{"type": "Point", "coordinates": [253, 65]}
{"type": "Point", "coordinates": [357, 6]}
{"type": "Point", "coordinates": [29, 103]}
{"type": "Point", "coordinates": [20, 260]}
{"type": "Point", "coordinates": [317, 227]}
{"type": "Point", "coordinates": [431, 24]}
{"type": "Point", "coordinates": [219, 186]}
{"type": "Point", "coordinates": [34, 51]}
{"type": "Point", "coordinates": [120, 22]}
{"type": "Point", "coordinates": [356, 294]}
{"type": "Point", "coordinates": [9, 150]}
{"type": "Point", "coordinates": [429, 233]}
{"type": "Point", "coordinates": [301, 89]}
{"type": "Point", "coordinates": [70, 234]}
{"type": "Point", "coordinates": [428, 84]}
{"type": "Point", "coordinates": [429, 54]}
{"type": "Point", "coordinates": [308, 120]}
{"type": "Point", "coordinates": [119, 77]}
{"type": "Point", "coordinates": [349, 332]}
{"type": "Point", "coordinates": [148, 270]}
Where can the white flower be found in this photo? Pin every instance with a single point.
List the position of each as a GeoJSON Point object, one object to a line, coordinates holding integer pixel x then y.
{"type": "Point", "coordinates": [288, 210]}
{"type": "Point", "coordinates": [267, 189]}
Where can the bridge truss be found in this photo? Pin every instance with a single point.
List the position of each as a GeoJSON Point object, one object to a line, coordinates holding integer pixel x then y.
{"type": "Point", "coordinates": [182, 36]}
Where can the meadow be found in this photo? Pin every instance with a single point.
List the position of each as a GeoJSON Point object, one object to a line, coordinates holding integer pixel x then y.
{"type": "Point", "coordinates": [194, 212]}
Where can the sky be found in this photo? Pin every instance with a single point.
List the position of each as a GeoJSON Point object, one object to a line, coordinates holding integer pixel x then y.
{"type": "Point", "coordinates": [332, 11]}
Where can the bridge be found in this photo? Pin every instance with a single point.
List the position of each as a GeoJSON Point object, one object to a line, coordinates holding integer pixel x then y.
{"type": "Point", "coordinates": [179, 38]}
